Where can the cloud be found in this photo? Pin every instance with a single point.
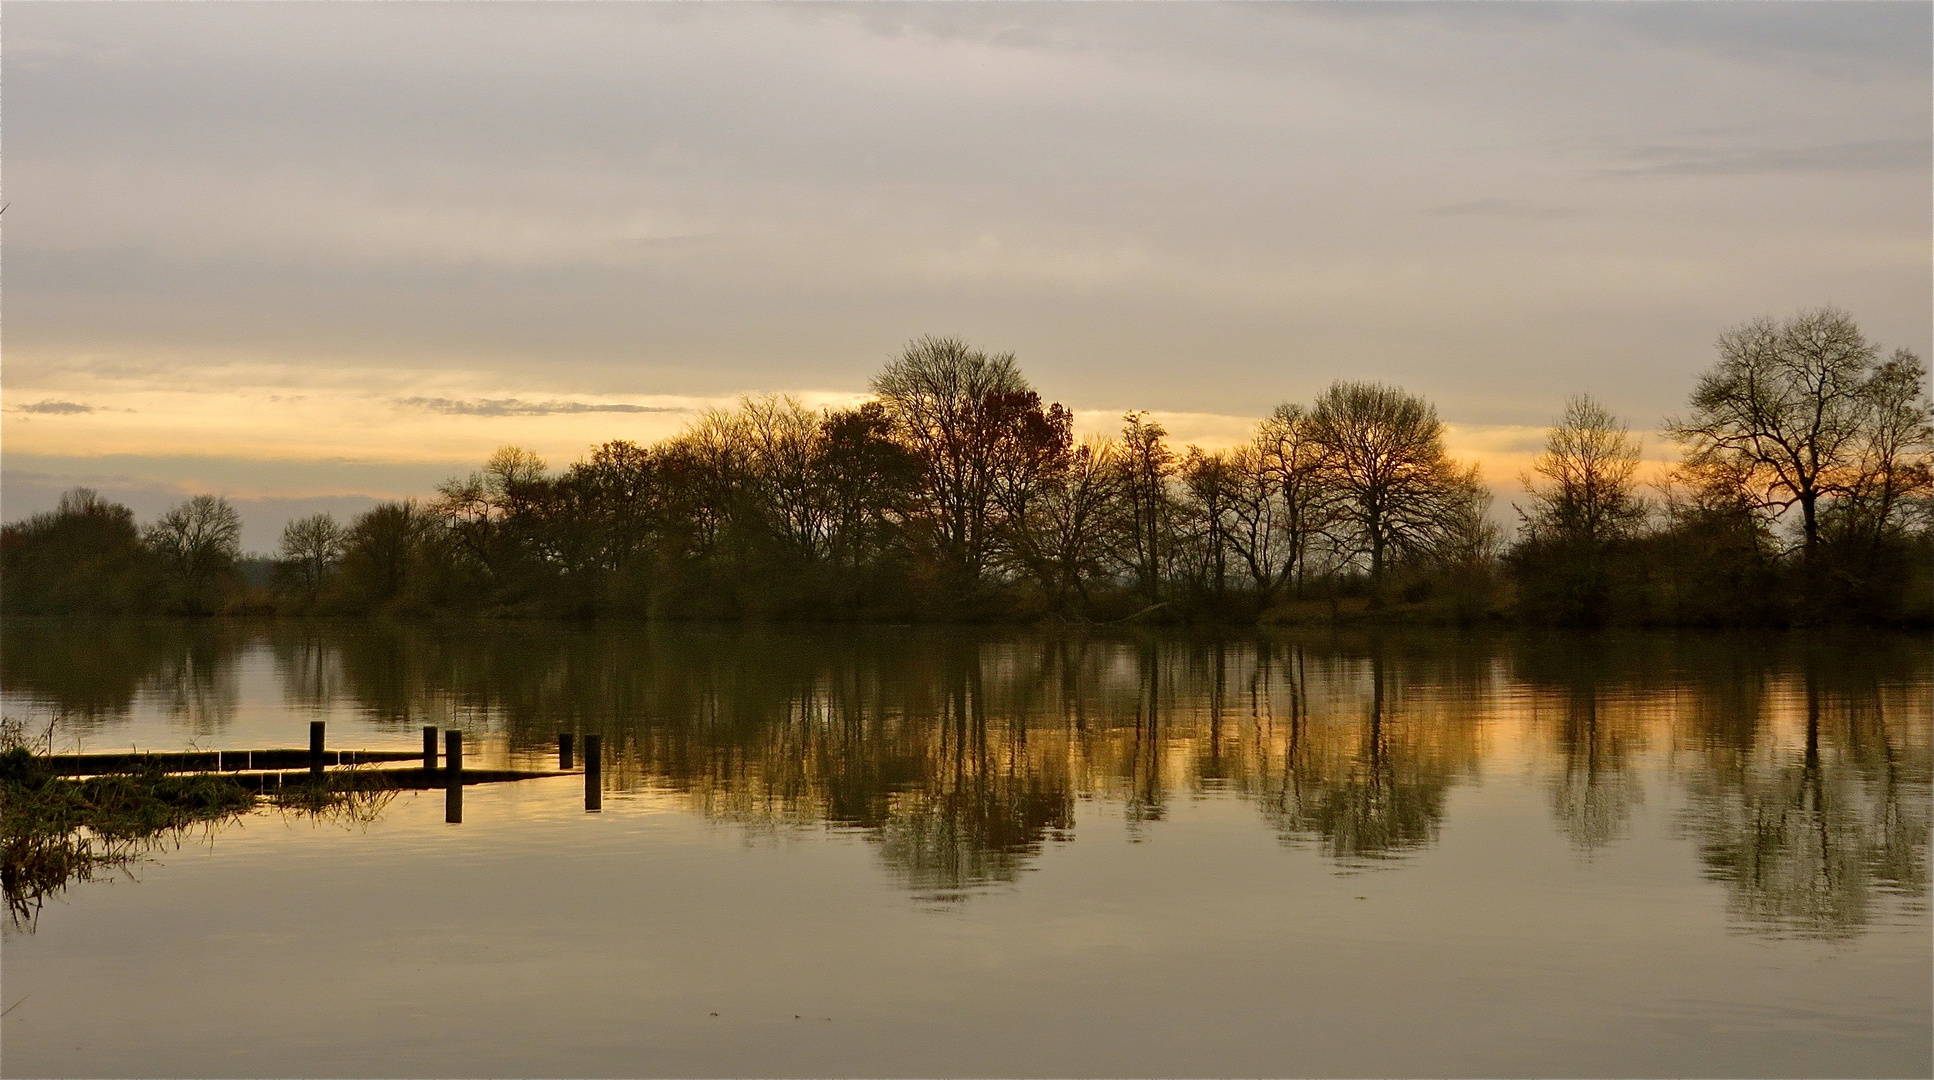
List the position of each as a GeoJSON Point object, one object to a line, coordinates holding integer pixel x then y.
{"type": "Point", "coordinates": [519, 407]}
{"type": "Point", "coordinates": [1873, 155]}
{"type": "Point", "coordinates": [1510, 208]}
{"type": "Point", "coordinates": [1186, 208]}
{"type": "Point", "coordinates": [56, 407]}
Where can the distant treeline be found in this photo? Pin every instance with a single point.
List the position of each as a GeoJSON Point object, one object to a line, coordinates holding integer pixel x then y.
{"type": "Point", "coordinates": [1805, 494]}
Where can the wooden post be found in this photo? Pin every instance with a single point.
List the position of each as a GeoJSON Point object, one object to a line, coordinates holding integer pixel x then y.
{"type": "Point", "coordinates": [429, 749]}
{"type": "Point", "coordinates": [593, 774]}
{"type": "Point", "coordinates": [453, 777]}
{"type": "Point", "coordinates": [564, 750]}
{"type": "Point", "coordinates": [315, 750]}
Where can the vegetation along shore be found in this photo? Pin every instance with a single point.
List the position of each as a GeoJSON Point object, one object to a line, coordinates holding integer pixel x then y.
{"type": "Point", "coordinates": [1804, 495]}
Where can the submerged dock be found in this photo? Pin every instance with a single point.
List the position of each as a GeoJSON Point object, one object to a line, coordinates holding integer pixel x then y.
{"type": "Point", "coordinates": [344, 770]}
{"type": "Point", "coordinates": [216, 760]}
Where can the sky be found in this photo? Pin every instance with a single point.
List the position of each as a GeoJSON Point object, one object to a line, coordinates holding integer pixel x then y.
{"type": "Point", "coordinates": [309, 256]}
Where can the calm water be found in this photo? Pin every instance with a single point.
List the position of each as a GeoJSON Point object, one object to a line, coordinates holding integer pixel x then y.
{"type": "Point", "coordinates": [915, 852]}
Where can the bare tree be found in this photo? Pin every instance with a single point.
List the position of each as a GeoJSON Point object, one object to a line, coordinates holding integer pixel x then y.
{"type": "Point", "coordinates": [1063, 538]}
{"type": "Point", "coordinates": [953, 406]}
{"type": "Point", "coordinates": [1790, 408]}
{"type": "Point", "coordinates": [198, 541]}
{"type": "Point", "coordinates": [1893, 473]}
{"type": "Point", "coordinates": [1212, 483]}
{"type": "Point", "coordinates": [1144, 468]}
{"type": "Point", "coordinates": [1585, 493]}
{"type": "Point", "coordinates": [784, 443]}
{"type": "Point", "coordinates": [474, 509]}
{"type": "Point", "coordinates": [311, 548]}
{"type": "Point", "coordinates": [1296, 467]}
{"type": "Point", "coordinates": [1398, 493]}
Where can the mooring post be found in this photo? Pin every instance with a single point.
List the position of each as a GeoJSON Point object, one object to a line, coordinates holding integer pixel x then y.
{"type": "Point", "coordinates": [593, 782]}
{"type": "Point", "coordinates": [429, 749]}
{"type": "Point", "coordinates": [453, 777]}
{"type": "Point", "coordinates": [563, 749]}
{"type": "Point", "coordinates": [315, 750]}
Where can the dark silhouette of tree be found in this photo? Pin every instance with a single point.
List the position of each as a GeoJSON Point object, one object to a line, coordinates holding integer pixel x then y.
{"type": "Point", "coordinates": [960, 494]}
{"type": "Point", "coordinates": [1211, 488]}
{"type": "Point", "coordinates": [1398, 494]}
{"type": "Point", "coordinates": [1146, 539]}
{"type": "Point", "coordinates": [474, 510]}
{"type": "Point", "coordinates": [1801, 412]}
{"type": "Point", "coordinates": [610, 519]}
{"type": "Point", "coordinates": [1292, 486]}
{"type": "Point", "coordinates": [312, 548]}
{"type": "Point", "coordinates": [83, 558]}
{"type": "Point", "coordinates": [197, 542]}
{"type": "Point", "coordinates": [390, 557]}
{"type": "Point", "coordinates": [981, 436]}
{"type": "Point", "coordinates": [1583, 509]}
{"type": "Point", "coordinates": [1063, 541]}
{"type": "Point", "coordinates": [1714, 562]}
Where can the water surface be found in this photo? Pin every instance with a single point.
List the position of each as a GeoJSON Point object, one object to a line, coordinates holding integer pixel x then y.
{"type": "Point", "coordinates": [901, 851]}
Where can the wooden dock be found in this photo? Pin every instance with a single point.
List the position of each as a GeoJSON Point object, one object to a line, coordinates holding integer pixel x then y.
{"type": "Point", "coordinates": [417, 779]}
{"type": "Point", "coordinates": [319, 769]}
{"type": "Point", "coordinates": [216, 760]}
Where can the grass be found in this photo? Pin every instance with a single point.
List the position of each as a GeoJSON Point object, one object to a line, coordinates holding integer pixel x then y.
{"type": "Point", "coordinates": [57, 831]}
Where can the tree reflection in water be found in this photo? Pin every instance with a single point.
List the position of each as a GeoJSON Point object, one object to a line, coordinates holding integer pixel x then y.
{"type": "Point", "coordinates": [91, 673]}
{"type": "Point", "coordinates": [1806, 837]}
{"type": "Point", "coordinates": [1374, 792]}
{"type": "Point", "coordinates": [961, 755]}
{"type": "Point", "coordinates": [1594, 784]}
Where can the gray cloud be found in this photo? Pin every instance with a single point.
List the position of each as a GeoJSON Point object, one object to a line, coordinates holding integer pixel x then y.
{"type": "Point", "coordinates": [56, 407]}
{"type": "Point", "coordinates": [1505, 208]}
{"type": "Point", "coordinates": [1873, 155]}
{"type": "Point", "coordinates": [517, 407]}
{"type": "Point", "coordinates": [1184, 207]}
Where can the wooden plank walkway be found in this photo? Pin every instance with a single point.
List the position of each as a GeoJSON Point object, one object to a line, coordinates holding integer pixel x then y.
{"type": "Point", "coordinates": [216, 760]}
{"type": "Point", "coordinates": [417, 779]}
{"type": "Point", "coordinates": [335, 770]}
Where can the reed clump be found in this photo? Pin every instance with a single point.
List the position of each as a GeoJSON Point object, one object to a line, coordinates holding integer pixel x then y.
{"type": "Point", "coordinates": [352, 796]}
{"type": "Point", "coordinates": [56, 831]}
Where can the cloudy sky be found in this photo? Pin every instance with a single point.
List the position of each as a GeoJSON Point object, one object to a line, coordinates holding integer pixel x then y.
{"type": "Point", "coordinates": [310, 255]}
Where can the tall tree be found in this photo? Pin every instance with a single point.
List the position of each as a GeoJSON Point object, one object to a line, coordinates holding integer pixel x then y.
{"type": "Point", "coordinates": [1212, 483]}
{"type": "Point", "coordinates": [474, 510]}
{"type": "Point", "coordinates": [1398, 492]}
{"type": "Point", "coordinates": [311, 549]}
{"type": "Point", "coordinates": [1146, 466]}
{"type": "Point", "coordinates": [198, 541]}
{"type": "Point", "coordinates": [384, 555]}
{"type": "Point", "coordinates": [1068, 528]}
{"type": "Point", "coordinates": [616, 491]}
{"type": "Point", "coordinates": [953, 405]}
{"type": "Point", "coordinates": [1893, 473]}
{"type": "Point", "coordinates": [868, 481]}
{"type": "Point", "coordinates": [1294, 470]}
{"type": "Point", "coordinates": [1790, 408]}
{"type": "Point", "coordinates": [84, 557]}
{"type": "Point", "coordinates": [1583, 504]}
{"type": "Point", "coordinates": [1585, 494]}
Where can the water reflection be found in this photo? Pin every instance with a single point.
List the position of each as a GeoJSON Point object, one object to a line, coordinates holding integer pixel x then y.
{"type": "Point", "coordinates": [1801, 763]}
{"type": "Point", "coordinates": [91, 674]}
{"type": "Point", "coordinates": [1579, 687]}
{"type": "Point", "coordinates": [1807, 831]}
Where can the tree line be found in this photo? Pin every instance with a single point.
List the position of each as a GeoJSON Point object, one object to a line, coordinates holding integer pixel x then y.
{"type": "Point", "coordinates": [1804, 494]}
